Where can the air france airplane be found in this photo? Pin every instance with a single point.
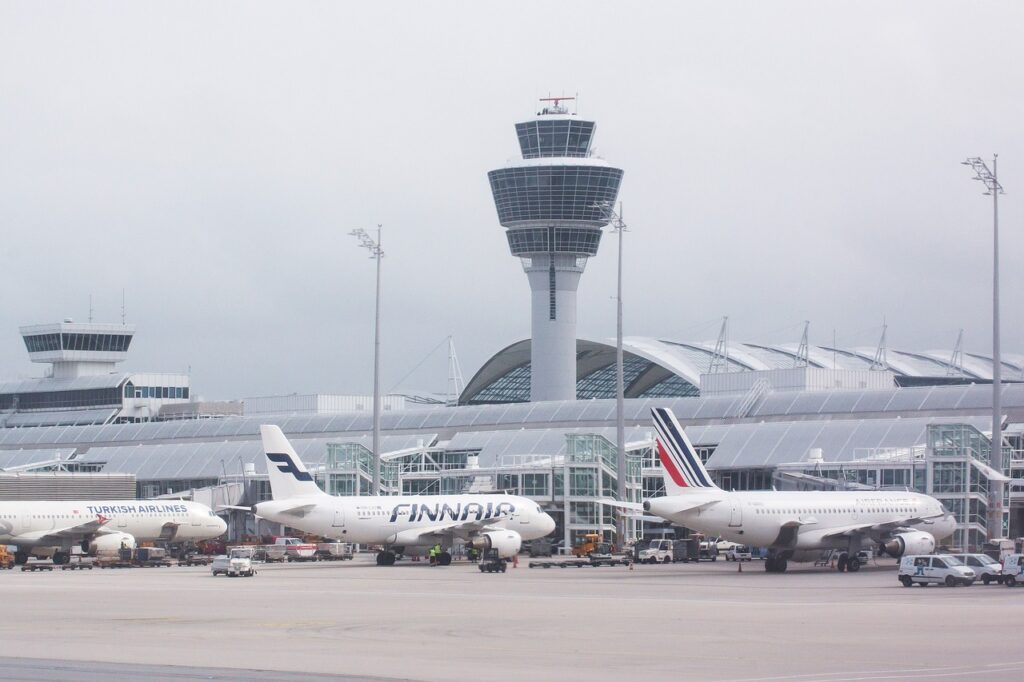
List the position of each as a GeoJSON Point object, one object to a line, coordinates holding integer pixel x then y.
{"type": "Point", "coordinates": [792, 525]}
{"type": "Point", "coordinates": [52, 528]}
{"type": "Point", "coordinates": [400, 522]}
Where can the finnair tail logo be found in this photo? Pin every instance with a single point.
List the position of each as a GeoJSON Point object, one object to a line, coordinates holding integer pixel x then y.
{"type": "Point", "coordinates": [287, 466]}
{"type": "Point", "coordinates": [676, 453]}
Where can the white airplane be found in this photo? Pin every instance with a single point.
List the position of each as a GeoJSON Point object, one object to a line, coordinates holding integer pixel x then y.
{"type": "Point", "coordinates": [398, 522]}
{"type": "Point", "coordinates": [51, 529]}
{"type": "Point", "coordinates": [792, 525]}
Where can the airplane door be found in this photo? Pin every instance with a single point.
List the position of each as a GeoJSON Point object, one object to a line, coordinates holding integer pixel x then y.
{"type": "Point", "coordinates": [736, 519]}
{"type": "Point", "coordinates": [122, 520]}
{"type": "Point", "coordinates": [339, 518]}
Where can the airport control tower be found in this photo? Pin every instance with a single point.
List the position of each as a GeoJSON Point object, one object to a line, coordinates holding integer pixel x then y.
{"type": "Point", "coordinates": [554, 202]}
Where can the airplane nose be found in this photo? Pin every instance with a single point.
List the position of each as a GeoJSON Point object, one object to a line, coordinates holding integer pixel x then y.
{"type": "Point", "coordinates": [222, 525]}
{"type": "Point", "coordinates": [548, 524]}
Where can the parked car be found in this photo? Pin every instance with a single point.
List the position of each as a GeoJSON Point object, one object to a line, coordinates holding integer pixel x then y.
{"type": "Point", "coordinates": [988, 569]}
{"type": "Point", "coordinates": [941, 569]}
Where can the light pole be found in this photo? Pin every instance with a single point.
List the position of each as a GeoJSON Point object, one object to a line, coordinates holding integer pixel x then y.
{"type": "Point", "coordinates": [990, 179]}
{"type": "Point", "coordinates": [373, 246]}
{"type": "Point", "coordinates": [619, 226]}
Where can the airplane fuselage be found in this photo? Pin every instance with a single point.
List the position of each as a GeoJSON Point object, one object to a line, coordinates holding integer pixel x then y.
{"type": "Point", "coordinates": [396, 520]}
{"type": "Point", "coordinates": [804, 520]}
{"type": "Point", "coordinates": [143, 519]}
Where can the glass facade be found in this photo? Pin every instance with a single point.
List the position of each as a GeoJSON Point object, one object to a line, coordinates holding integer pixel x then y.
{"type": "Point", "coordinates": [556, 193]}
{"type": "Point", "coordinates": [530, 240]}
{"type": "Point", "coordinates": [556, 137]}
{"type": "Point", "coordinates": [93, 397]}
{"type": "Point", "coordinates": [601, 383]}
{"type": "Point", "coordinates": [114, 343]}
{"type": "Point", "coordinates": [162, 392]}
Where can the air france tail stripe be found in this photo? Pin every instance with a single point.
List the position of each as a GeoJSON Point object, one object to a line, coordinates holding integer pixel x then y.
{"type": "Point", "coordinates": [673, 451]}
{"type": "Point", "coordinates": [670, 466]}
{"type": "Point", "coordinates": [687, 451]}
{"type": "Point", "coordinates": [681, 450]}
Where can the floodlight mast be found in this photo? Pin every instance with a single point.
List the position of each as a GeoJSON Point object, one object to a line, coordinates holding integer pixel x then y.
{"type": "Point", "coordinates": [376, 253]}
{"type": "Point", "coordinates": [990, 178]}
{"type": "Point", "coordinates": [619, 227]}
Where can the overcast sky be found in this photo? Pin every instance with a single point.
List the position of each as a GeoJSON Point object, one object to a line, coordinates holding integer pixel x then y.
{"type": "Point", "coordinates": [783, 161]}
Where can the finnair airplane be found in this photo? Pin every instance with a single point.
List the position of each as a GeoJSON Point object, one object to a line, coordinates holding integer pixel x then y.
{"type": "Point", "coordinates": [792, 525]}
{"type": "Point", "coordinates": [51, 529]}
{"type": "Point", "coordinates": [396, 522]}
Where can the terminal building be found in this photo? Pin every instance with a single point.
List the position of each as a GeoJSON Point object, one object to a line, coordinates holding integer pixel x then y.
{"type": "Point", "coordinates": [760, 415]}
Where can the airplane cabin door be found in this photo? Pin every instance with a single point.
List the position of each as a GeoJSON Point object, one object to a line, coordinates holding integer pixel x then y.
{"type": "Point", "coordinates": [339, 518]}
{"type": "Point", "coordinates": [736, 519]}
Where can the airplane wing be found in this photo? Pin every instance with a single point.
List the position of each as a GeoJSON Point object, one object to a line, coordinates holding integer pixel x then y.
{"type": "Point", "coordinates": [878, 528]}
{"type": "Point", "coordinates": [632, 506]}
{"type": "Point", "coordinates": [79, 531]}
{"type": "Point", "coordinates": [459, 529]}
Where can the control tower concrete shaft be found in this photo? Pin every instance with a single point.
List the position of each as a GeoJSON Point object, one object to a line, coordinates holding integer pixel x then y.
{"type": "Point", "coordinates": [554, 202]}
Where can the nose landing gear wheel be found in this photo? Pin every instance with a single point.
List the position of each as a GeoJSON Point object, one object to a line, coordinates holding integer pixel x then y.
{"type": "Point", "coordinates": [842, 562]}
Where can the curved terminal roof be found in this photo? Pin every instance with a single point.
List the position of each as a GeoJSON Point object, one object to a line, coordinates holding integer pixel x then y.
{"type": "Point", "coordinates": [661, 368]}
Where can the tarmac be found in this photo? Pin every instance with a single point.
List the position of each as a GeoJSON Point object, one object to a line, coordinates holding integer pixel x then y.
{"type": "Point", "coordinates": [355, 620]}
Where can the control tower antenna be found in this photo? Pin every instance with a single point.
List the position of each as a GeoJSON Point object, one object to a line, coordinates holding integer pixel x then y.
{"type": "Point", "coordinates": [122, 306]}
{"type": "Point", "coordinates": [552, 204]}
{"type": "Point", "coordinates": [90, 308]}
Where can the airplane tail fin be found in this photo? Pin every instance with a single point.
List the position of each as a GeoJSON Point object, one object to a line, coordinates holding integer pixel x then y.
{"type": "Point", "coordinates": [288, 476]}
{"type": "Point", "coordinates": [681, 466]}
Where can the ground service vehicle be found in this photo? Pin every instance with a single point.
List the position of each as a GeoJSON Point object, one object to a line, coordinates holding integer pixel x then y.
{"type": "Point", "coordinates": [658, 552]}
{"type": "Point", "coordinates": [588, 545]}
{"type": "Point", "coordinates": [738, 553]}
{"type": "Point", "coordinates": [334, 551]}
{"type": "Point", "coordinates": [987, 569]}
{"type": "Point", "coordinates": [941, 569]}
{"type": "Point", "coordinates": [793, 525]}
{"type": "Point", "coordinates": [297, 550]}
{"type": "Point", "coordinates": [1013, 570]}
{"type": "Point", "coordinates": [6, 558]}
{"type": "Point", "coordinates": [237, 562]}
{"type": "Point", "coordinates": [492, 562]}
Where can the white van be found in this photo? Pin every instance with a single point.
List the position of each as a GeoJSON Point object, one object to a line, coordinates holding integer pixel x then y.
{"type": "Point", "coordinates": [988, 569]}
{"type": "Point", "coordinates": [935, 568]}
{"type": "Point", "coordinates": [1013, 570]}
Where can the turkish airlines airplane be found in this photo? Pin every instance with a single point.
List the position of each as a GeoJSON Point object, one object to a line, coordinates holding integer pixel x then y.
{"type": "Point", "coordinates": [794, 525]}
{"type": "Point", "coordinates": [399, 522]}
{"type": "Point", "coordinates": [51, 529]}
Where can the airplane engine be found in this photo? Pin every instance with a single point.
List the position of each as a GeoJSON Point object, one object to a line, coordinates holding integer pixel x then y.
{"type": "Point", "coordinates": [913, 542]}
{"type": "Point", "coordinates": [507, 542]}
{"type": "Point", "coordinates": [110, 543]}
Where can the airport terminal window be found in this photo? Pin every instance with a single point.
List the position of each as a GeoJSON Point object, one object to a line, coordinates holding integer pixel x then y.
{"type": "Point", "coordinates": [508, 483]}
{"type": "Point", "coordinates": [536, 485]}
{"type": "Point", "coordinates": [512, 387]}
{"type": "Point", "coordinates": [94, 397]}
{"type": "Point", "coordinates": [583, 512]}
{"type": "Point", "coordinates": [42, 342]}
{"type": "Point", "coordinates": [948, 477]}
{"type": "Point", "coordinates": [558, 484]}
{"type": "Point", "coordinates": [895, 477]}
{"type": "Point", "coordinates": [583, 482]}
{"type": "Point", "coordinates": [602, 384]}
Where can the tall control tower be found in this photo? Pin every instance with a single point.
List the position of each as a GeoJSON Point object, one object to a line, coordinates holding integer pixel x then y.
{"type": "Point", "coordinates": [554, 202]}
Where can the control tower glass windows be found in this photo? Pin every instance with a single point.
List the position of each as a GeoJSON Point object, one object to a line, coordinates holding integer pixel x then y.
{"type": "Point", "coordinates": [557, 137]}
{"type": "Point", "coordinates": [529, 240]}
{"type": "Point", "coordinates": [554, 193]}
{"type": "Point", "coordinates": [113, 343]}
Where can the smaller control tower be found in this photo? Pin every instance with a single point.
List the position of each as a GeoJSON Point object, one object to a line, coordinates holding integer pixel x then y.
{"type": "Point", "coordinates": [554, 202]}
{"type": "Point", "coordinates": [78, 349]}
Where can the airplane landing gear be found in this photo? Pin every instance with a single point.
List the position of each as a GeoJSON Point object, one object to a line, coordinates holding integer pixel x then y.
{"type": "Point", "coordinates": [775, 564]}
{"type": "Point", "coordinates": [20, 558]}
{"type": "Point", "coordinates": [848, 562]}
{"type": "Point", "coordinates": [386, 558]}
{"type": "Point", "coordinates": [61, 558]}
